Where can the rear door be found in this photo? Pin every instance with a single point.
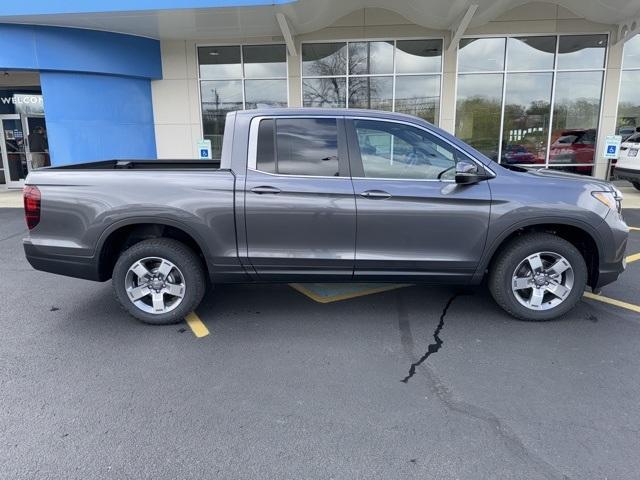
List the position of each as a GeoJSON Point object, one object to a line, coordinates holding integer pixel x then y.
{"type": "Point", "coordinates": [414, 221]}
{"type": "Point", "coordinates": [299, 201]}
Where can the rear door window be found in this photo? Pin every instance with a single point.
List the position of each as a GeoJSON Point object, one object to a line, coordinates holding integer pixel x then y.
{"type": "Point", "coordinates": [298, 146]}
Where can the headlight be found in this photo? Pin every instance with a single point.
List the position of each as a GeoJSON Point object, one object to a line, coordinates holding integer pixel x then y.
{"type": "Point", "coordinates": [613, 200]}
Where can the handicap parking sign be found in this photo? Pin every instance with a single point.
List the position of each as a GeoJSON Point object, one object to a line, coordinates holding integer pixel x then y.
{"type": "Point", "coordinates": [612, 146]}
{"type": "Point", "coordinates": [204, 149]}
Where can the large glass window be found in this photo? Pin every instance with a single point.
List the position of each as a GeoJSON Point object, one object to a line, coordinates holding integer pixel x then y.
{"type": "Point", "coordinates": [629, 103]}
{"type": "Point", "coordinates": [478, 111]}
{"type": "Point", "coordinates": [402, 76]}
{"type": "Point", "coordinates": [527, 105]}
{"type": "Point", "coordinates": [544, 91]}
{"type": "Point", "coordinates": [395, 150]}
{"type": "Point", "coordinates": [239, 77]}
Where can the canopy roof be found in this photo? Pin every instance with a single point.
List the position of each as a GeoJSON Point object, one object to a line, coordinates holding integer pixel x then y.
{"type": "Point", "coordinates": [199, 19]}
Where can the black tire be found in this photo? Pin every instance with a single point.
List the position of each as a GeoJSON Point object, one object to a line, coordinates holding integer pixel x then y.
{"type": "Point", "coordinates": [636, 185]}
{"type": "Point", "coordinates": [503, 268]}
{"type": "Point", "coordinates": [182, 257]}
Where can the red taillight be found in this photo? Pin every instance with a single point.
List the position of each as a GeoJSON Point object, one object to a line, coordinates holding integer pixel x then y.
{"type": "Point", "coordinates": [32, 199]}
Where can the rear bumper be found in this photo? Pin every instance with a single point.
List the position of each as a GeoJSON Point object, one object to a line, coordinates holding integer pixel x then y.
{"type": "Point", "coordinates": [43, 259]}
{"type": "Point", "coordinates": [627, 174]}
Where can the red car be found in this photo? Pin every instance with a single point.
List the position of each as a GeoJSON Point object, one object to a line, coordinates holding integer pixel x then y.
{"type": "Point", "coordinates": [574, 147]}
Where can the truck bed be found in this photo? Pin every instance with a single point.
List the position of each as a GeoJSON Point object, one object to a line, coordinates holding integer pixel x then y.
{"type": "Point", "coordinates": [84, 205]}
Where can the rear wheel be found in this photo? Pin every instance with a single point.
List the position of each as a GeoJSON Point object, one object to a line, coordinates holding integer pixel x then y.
{"type": "Point", "coordinates": [159, 281]}
{"type": "Point", "coordinates": [538, 277]}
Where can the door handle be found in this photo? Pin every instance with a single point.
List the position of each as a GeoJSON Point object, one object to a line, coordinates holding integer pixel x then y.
{"type": "Point", "coordinates": [265, 189]}
{"type": "Point", "coordinates": [375, 194]}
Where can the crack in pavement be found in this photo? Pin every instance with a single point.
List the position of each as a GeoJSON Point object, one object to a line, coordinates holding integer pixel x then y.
{"type": "Point", "coordinates": [510, 439]}
{"type": "Point", "coordinates": [434, 347]}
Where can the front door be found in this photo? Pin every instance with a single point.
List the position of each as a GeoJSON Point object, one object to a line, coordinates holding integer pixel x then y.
{"type": "Point", "coordinates": [414, 221]}
{"type": "Point", "coordinates": [299, 203]}
{"type": "Point", "coordinates": [14, 150]}
{"type": "Point", "coordinates": [37, 145]}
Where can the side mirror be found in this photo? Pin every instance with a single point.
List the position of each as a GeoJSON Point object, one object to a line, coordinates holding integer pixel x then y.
{"type": "Point", "coordinates": [468, 173]}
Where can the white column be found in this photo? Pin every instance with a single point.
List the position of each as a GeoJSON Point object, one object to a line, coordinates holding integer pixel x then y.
{"type": "Point", "coordinates": [293, 77]}
{"type": "Point", "coordinates": [609, 106]}
{"type": "Point", "coordinates": [448, 94]}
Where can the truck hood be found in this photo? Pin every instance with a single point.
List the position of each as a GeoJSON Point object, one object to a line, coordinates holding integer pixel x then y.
{"type": "Point", "coordinates": [545, 173]}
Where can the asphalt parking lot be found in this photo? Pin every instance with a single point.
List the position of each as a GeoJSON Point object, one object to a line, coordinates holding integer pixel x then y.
{"type": "Point", "coordinates": [279, 386]}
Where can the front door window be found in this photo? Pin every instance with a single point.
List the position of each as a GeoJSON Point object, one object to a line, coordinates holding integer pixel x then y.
{"type": "Point", "coordinates": [395, 150]}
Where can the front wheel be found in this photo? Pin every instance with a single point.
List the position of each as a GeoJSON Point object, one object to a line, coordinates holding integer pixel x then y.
{"type": "Point", "coordinates": [159, 281]}
{"type": "Point", "coordinates": [538, 277]}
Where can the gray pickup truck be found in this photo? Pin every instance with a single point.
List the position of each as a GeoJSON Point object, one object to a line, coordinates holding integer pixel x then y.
{"type": "Point", "coordinates": [316, 195]}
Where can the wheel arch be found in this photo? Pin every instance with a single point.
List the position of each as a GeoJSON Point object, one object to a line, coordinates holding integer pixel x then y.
{"type": "Point", "coordinates": [125, 233]}
{"type": "Point", "coordinates": [579, 234]}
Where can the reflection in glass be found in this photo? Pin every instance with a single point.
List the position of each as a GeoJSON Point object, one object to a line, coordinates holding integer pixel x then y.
{"type": "Point", "coordinates": [324, 59]}
{"type": "Point", "coordinates": [629, 103]}
{"type": "Point", "coordinates": [583, 170]}
{"type": "Point", "coordinates": [265, 93]}
{"type": "Point", "coordinates": [419, 96]}
{"type": "Point", "coordinates": [370, 58]}
{"type": "Point", "coordinates": [14, 146]}
{"type": "Point", "coordinates": [531, 53]}
{"type": "Point", "coordinates": [481, 54]}
{"type": "Point", "coordinates": [575, 118]}
{"type": "Point", "coordinates": [266, 150]}
{"type": "Point", "coordinates": [526, 118]}
{"type": "Point", "coordinates": [371, 92]}
{"type": "Point", "coordinates": [307, 146]}
{"type": "Point", "coordinates": [324, 92]}
{"type": "Point", "coordinates": [478, 110]}
{"type": "Point", "coordinates": [392, 150]}
{"type": "Point", "coordinates": [218, 98]}
{"type": "Point", "coordinates": [418, 56]}
{"type": "Point", "coordinates": [219, 62]}
{"type": "Point", "coordinates": [631, 56]}
{"type": "Point", "coordinates": [581, 51]}
{"type": "Point", "coordinates": [28, 103]}
{"type": "Point", "coordinates": [264, 61]}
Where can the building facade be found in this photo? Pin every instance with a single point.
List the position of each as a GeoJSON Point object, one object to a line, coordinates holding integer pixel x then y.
{"type": "Point", "coordinates": [537, 84]}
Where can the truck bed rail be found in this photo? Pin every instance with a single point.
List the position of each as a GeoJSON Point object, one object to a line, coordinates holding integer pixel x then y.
{"type": "Point", "coordinates": [142, 165]}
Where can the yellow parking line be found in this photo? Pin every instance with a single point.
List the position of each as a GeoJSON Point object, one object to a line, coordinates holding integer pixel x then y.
{"type": "Point", "coordinates": [346, 296]}
{"type": "Point", "coordinates": [198, 328]}
{"type": "Point", "coordinates": [613, 301]}
{"type": "Point", "coordinates": [633, 258]}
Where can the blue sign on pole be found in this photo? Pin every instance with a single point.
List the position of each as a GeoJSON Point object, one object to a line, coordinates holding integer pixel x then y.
{"type": "Point", "coordinates": [612, 146]}
{"type": "Point", "coordinates": [204, 149]}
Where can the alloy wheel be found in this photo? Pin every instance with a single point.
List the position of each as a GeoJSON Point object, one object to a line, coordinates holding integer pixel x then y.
{"type": "Point", "coordinates": [155, 285]}
{"type": "Point", "coordinates": [542, 281]}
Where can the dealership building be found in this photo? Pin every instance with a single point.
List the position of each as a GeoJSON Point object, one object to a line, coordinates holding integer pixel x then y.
{"type": "Point", "coordinates": [531, 83]}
